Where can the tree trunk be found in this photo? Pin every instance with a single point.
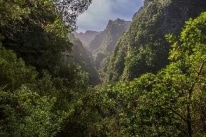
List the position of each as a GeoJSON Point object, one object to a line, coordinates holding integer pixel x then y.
{"type": "Point", "coordinates": [189, 124]}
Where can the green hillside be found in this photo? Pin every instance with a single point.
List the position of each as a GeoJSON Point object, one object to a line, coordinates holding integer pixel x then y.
{"type": "Point", "coordinates": [154, 72]}
{"type": "Point", "coordinates": [80, 56]}
{"type": "Point", "coordinates": [143, 48]}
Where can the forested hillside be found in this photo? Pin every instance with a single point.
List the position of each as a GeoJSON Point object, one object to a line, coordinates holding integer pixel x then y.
{"type": "Point", "coordinates": [38, 91]}
{"type": "Point", "coordinates": [104, 43]}
{"type": "Point", "coordinates": [81, 56]}
{"type": "Point", "coordinates": [155, 83]}
{"type": "Point", "coordinates": [99, 45]}
{"type": "Point", "coordinates": [144, 48]}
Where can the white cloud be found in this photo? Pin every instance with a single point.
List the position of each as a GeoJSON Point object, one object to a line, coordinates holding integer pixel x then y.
{"type": "Point", "coordinates": [100, 11]}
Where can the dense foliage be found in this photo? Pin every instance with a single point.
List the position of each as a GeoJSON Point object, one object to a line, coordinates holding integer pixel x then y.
{"type": "Point", "coordinates": [41, 95]}
{"type": "Point", "coordinates": [143, 48]}
{"type": "Point", "coordinates": [38, 91]}
{"type": "Point", "coordinates": [169, 103]}
{"type": "Point", "coordinates": [70, 9]}
{"type": "Point", "coordinates": [81, 56]}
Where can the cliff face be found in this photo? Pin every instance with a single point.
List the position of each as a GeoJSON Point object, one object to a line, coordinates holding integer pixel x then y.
{"type": "Point", "coordinates": [104, 43]}
{"type": "Point", "coordinates": [96, 42]}
{"type": "Point", "coordinates": [143, 48]}
{"type": "Point", "coordinates": [86, 37]}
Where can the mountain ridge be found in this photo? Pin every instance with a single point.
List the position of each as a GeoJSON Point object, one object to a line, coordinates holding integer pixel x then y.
{"type": "Point", "coordinates": [86, 37]}
{"type": "Point", "coordinates": [104, 43]}
{"type": "Point", "coordinates": [143, 48]}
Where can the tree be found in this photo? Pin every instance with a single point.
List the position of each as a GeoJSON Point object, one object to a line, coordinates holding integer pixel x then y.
{"type": "Point", "coordinates": [35, 32]}
{"type": "Point", "coordinates": [70, 9]}
{"type": "Point", "coordinates": [38, 30]}
{"type": "Point", "coordinates": [24, 109]}
{"type": "Point", "coordinates": [37, 90]}
{"type": "Point", "coordinates": [189, 57]}
{"type": "Point", "coordinates": [170, 103]}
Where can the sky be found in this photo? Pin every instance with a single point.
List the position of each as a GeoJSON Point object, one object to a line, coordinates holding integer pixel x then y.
{"type": "Point", "coordinates": [100, 11]}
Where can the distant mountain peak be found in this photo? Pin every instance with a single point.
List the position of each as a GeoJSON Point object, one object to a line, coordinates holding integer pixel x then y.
{"type": "Point", "coordinates": [104, 43]}
{"type": "Point", "coordinates": [86, 37]}
{"type": "Point", "coordinates": [118, 20]}
{"type": "Point", "coordinates": [90, 31]}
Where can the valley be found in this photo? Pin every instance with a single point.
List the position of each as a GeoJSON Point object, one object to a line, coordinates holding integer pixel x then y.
{"type": "Point", "coordinates": [139, 76]}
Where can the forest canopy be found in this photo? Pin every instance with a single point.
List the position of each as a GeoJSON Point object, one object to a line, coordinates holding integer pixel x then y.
{"type": "Point", "coordinates": [38, 91]}
{"type": "Point", "coordinates": [41, 95]}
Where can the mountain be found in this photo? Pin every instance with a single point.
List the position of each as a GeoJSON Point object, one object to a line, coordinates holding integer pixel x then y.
{"type": "Point", "coordinates": [104, 43]}
{"type": "Point", "coordinates": [144, 48]}
{"type": "Point", "coordinates": [80, 56]}
{"type": "Point", "coordinates": [86, 37]}
{"type": "Point", "coordinates": [96, 42]}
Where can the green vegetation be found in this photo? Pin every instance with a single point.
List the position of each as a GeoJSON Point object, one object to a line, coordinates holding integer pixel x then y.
{"type": "Point", "coordinates": [42, 95]}
{"type": "Point", "coordinates": [105, 42]}
{"type": "Point", "coordinates": [169, 103]}
{"type": "Point", "coordinates": [143, 48]}
{"type": "Point", "coordinates": [38, 91]}
{"type": "Point", "coordinates": [110, 36]}
{"type": "Point", "coordinates": [80, 56]}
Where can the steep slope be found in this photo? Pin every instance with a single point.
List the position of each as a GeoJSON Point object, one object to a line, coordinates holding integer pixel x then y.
{"type": "Point", "coordinates": [143, 48]}
{"type": "Point", "coordinates": [81, 57]}
{"type": "Point", "coordinates": [86, 37]}
{"type": "Point", "coordinates": [104, 43]}
{"type": "Point", "coordinates": [96, 42]}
